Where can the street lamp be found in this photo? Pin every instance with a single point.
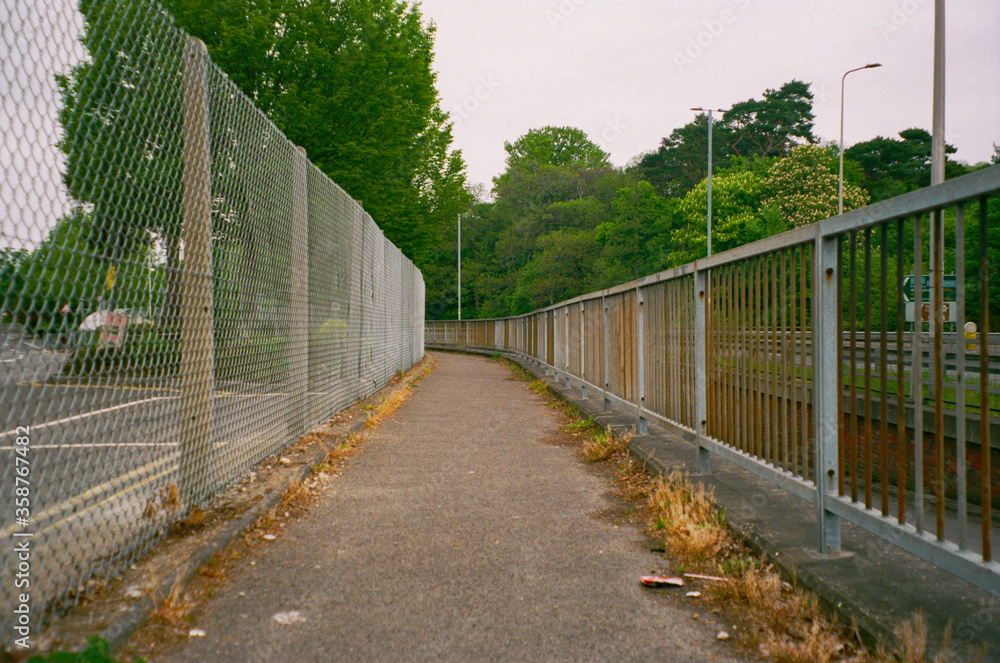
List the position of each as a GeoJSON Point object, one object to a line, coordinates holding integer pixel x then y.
{"type": "Point", "coordinates": [459, 266]}
{"type": "Point", "coordinates": [840, 179]}
{"type": "Point", "coordinates": [708, 228]}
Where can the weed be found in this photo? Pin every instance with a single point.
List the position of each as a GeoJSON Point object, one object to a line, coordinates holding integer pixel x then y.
{"type": "Point", "coordinates": [98, 651]}
{"type": "Point", "coordinates": [539, 386]}
{"type": "Point", "coordinates": [602, 445]}
{"type": "Point", "coordinates": [174, 607]}
{"type": "Point", "coordinates": [579, 426]}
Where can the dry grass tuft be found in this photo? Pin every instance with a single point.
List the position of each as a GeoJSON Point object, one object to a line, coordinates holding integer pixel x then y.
{"type": "Point", "coordinates": [388, 405]}
{"type": "Point", "coordinates": [174, 607]}
{"type": "Point", "coordinates": [603, 444]}
{"type": "Point", "coordinates": [686, 519]}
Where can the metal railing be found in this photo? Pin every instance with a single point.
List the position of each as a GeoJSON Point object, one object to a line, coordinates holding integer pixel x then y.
{"type": "Point", "coordinates": [793, 357]}
{"type": "Point", "coordinates": [183, 293]}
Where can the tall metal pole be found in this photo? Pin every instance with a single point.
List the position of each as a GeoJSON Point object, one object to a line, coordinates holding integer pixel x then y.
{"type": "Point", "coordinates": [459, 266]}
{"type": "Point", "coordinates": [708, 227]}
{"type": "Point", "coordinates": [840, 179]}
{"type": "Point", "coordinates": [937, 128]}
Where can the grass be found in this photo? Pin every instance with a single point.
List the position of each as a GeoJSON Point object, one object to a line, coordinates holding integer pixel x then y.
{"type": "Point", "coordinates": [97, 651]}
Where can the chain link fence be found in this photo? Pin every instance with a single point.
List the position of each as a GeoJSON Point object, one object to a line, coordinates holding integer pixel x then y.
{"type": "Point", "coordinates": [183, 293]}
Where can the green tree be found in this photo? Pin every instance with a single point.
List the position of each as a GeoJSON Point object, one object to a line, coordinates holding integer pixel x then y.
{"type": "Point", "coordinates": [803, 187]}
{"type": "Point", "coordinates": [774, 125]}
{"type": "Point", "coordinates": [681, 161]}
{"type": "Point", "coordinates": [635, 240]}
{"type": "Point", "coordinates": [893, 167]}
{"type": "Point", "coordinates": [737, 216]}
{"type": "Point", "coordinates": [351, 82]}
{"type": "Point", "coordinates": [121, 119]}
{"type": "Point", "coordinates": [768, 127]}
{"type": "Point", "coordinates": [554, 146]}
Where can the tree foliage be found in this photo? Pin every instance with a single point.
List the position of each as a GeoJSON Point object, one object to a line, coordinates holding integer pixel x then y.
{"type": "Point", "coordinates": [893, 167]}
{"type": "Point", "coordinates": [352, 83]}
{"type": "Point", "coordinates": [768, 127]}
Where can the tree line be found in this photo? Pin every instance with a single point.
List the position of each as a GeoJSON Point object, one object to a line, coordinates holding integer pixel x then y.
{"type": "Point", "coordinates": [564, 222]}
{"type": "Point", "coordinates": [351, 81]}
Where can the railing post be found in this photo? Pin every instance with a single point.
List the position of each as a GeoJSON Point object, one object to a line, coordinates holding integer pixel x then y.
{"type": "Point", "coordinates": [298, 360]}
{"type": "Point", "coordinates": [569, 383]}
{"type": "Point", "coordinates": [826, 399]}
{"type": "Point", "coordinates": [583, 351]}
{"type": "Point", "coordinates": [606, 366]}
{"type": "Point", "coordinates": [543, 349]}
{"type": "Point", "coordinates": [701, 296]}
{"type": "Point", "coordinates": [197, 369]}
{"type": "Point", "coordinates": [640, 335]}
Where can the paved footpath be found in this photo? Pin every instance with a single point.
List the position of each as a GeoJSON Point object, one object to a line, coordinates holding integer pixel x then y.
{"type": "Point", "coordinates": [457, 534]}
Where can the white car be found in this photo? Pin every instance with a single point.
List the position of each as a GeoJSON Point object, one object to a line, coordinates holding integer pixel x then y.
{"type": "Point", "coordinates": [117, 317]}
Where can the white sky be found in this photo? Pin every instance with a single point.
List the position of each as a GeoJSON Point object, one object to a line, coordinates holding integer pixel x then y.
{"type": "Point", "coordinates": [624, 71]}
{"type": "Point", "coordinates": [627, 71]}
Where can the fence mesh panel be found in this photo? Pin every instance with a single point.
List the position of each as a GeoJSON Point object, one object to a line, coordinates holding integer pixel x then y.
{"type": "Point", "coordinates": [182, 293]}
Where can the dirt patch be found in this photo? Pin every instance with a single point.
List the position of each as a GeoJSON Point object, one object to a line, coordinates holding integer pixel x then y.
{"type": "Point", "coordinates": [173, 579]}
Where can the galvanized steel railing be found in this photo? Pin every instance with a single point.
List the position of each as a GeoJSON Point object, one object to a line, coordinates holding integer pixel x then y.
{"type": "Point", "coordinates": [183, 293]}
{"type": "Point", "coordinates": [791, 357]}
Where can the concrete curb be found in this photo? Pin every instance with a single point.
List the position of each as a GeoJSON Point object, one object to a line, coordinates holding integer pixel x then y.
{"type": "Point", "coordinates": [125, 626]}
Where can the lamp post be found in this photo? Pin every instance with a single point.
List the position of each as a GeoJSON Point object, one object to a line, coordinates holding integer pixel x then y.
{"type": "Point", "coordinates": [840, 179]}
{"type": "Point", "coordinates": [708, 228]}
{"type": "Point", "coordinates": [459, 266]}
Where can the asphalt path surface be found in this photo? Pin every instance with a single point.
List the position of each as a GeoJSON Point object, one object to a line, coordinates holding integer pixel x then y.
{"type": "Point", "coordinates": [458, 533]}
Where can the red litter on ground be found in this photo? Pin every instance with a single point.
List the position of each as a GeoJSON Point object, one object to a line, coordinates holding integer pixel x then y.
{"type": "Point", "coordinates": [662, 581]}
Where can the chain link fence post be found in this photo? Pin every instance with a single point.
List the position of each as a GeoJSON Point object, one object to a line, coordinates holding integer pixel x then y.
{"type": "Point", "coordinates": [197, 369]}
{"type": "Point", "coordinates": [298, 360]}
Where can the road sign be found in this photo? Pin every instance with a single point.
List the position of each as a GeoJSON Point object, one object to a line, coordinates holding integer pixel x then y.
{"type": "Point", "coordinates": [925, 311]}
{"type": "Point", "coordinates": [950, 287]}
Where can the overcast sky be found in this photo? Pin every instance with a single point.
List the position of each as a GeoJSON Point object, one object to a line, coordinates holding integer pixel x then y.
{"type": "Point", "coordinates": [624, 71]}
{"type": "Point", "coordinates": [627, 71]}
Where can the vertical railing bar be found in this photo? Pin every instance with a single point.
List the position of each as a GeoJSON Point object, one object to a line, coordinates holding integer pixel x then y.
{"type": "Point", "coordinates": [852, 324]}
{"type": "Point", "coordinates": [783, 331]}
{"type": "Point", "coordinates": [811, 261]}
{"type": "Point", "coordinates": [606, 351]}
{"type": "Point", "coordinates": [960, 425]}
{"type": "Point", "coordinates": [769, 300]}
{"type": "Point", "coordinates": [583, 349]}
{"type": "Point", "coordinates": [985, 443]}
{"type": "Point", "coordinates": [867, 435]}
{"type": "Point", "coordinates": [843, 403]}
{"type": "Point", "coordinates": [937, 305]}
{"type": "Point", "coordinates": [687, 356]}
{"type": "Point", "coordinates": [670, 345]}
{"type": "Point", "coordinates": [732, 420]}
{"type": "Point", "coordinates": [758, 428]}
{"type": "Point", "coordinates": [700, 323]}
{"type": "Point", "coordinates": [883, 369]}
{"type": "Point", "coordinates": [916, 376]}
{"type": "Point", "coordinates": [796, 402]}
{"type": "Point", "coordinates": [640, 344]}
{"type": "Point", "coordinates": [745, 402]}
{"type": "Point", "coordinates": [900, 378]}
{"type": "Point", "coordinates": [569, 382]}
